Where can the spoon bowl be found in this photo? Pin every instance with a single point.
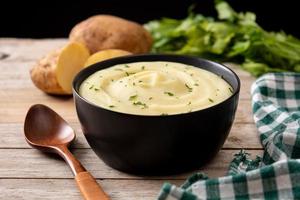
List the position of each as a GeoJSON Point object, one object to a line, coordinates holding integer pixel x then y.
{"type": "Point", "coordinates": [45, 129]}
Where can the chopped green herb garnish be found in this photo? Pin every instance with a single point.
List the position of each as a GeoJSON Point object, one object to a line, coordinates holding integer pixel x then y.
{"type": "Point", "coordinates": [209, 99]}
{"type": "Point", "coordinates": [189, 103]}
{"type": "Point", "coordinates": [191, 74]}
{"type": "Point", "coordinates": [96, 89]}
{"type": "Point", "coordinates": [112, 80]}
{"type": "Point", "coordinates": [188, 87]}
{"type": "Point", "coordinates": [128, 73]}
{"type": "Point", "coordinates": [118, 69]}
{"type": "Point", "coordinates": [150, 98]}
{"type": "Point", "coordinates": [230, 89]}
{"type": "Point", "coordinates": [121, 81]}
{"type": "Point", "coordinates": [138, 103]}
{"type": "Point", "coordinates": [133, 97]}
{"type": "Point", "coordinates": [196, 84]}
{"type": "Point", "coordinates": [169, 93]}
{"type": "Point", "coordinates": [91, 87]}
{"type": "Point", "coordinates": [111, 106]}
{"type": "Point", "coordinates": [133, 83]}
{"type": "Point", "coordinates": [166, 64]}
{"type": "Point", "coordinates": [127, 66]}
{"type": "Point", "coordinates": [143, 67]}
{"type": "Point", "coordinates": [140, 81]}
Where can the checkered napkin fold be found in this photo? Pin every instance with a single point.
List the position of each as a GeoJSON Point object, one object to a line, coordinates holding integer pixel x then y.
{"type": "Point", "coordinates": [276, 109]}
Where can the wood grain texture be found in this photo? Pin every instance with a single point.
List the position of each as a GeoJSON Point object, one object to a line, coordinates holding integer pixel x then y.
{"type": "Point", "coordinates": [13, 111]}
{"type": "Point", "coordinates": [28, 49]}
{"type": "Point", "coordinates": [58, 189]}
{"type": "Point", "coordinates": [26, 173]}
{"type": "Point", "coordinates": [242, 135]}
{"type": "Point", "coordinates": [31, 163]}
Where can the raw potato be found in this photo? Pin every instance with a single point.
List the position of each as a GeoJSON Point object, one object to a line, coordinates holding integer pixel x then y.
{"type": "Point", "coordinates": [109, 32]}
{"type": "Point", "coordinates": [104, 55]}
{"type": "Point", "coordinates": [70, 62]}
{"type": "Point", "coordinates": [55, 72]}
{"type": "Point", "coordinates": [43, 74]}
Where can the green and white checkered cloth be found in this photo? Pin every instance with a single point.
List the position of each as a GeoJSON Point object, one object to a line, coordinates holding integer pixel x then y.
{"type": "Point", "coordinates": [276, 109]}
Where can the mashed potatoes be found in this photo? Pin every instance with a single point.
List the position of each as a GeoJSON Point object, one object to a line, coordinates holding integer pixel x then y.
{"type": "Point", "coordinates": [154, 88]}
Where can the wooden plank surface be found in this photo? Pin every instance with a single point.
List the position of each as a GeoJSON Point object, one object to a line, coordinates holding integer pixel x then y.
{"type": "Point", "coordinates": [242, 135]}
{"type": "Point", "coordinates": [26, 173]}
{"type": "Point", "coordinates": [14, 107]}
{"type": "Point", "coordinates": [30, 163]}
{"type": "Point", "coordinates": [63, 189]}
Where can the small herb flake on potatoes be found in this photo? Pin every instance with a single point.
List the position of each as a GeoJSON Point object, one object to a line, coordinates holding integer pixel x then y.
{"type": "Point", "coordinates": [104, 55]}
{"type": "Point", "coordinates": [54, 73]}
{"type": "Point", "coordinates": [109, 32]}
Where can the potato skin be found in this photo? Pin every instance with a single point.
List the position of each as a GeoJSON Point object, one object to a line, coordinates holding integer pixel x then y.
{"type": "Point", "coordinates": [43, 74]}
{"type": "Point", "coordinates": [109, 32]}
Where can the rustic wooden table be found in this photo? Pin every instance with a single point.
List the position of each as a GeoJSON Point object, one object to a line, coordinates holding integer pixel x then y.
{"type": "Point", "coordinates": [25, 173]}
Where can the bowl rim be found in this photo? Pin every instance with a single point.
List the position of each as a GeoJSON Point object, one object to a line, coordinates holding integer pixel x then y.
{"type": "Point", "coordinates": [117, 60]}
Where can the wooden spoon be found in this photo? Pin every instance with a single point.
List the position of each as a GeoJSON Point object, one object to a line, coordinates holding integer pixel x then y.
{"type": "Point", "coordinates": [47, 131]}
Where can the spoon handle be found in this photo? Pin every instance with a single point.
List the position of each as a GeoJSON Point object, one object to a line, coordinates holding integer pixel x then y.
{"type": "Point", "coordinates": [86, 183]}
{"type": "Point", "coordinates": [89, 188]}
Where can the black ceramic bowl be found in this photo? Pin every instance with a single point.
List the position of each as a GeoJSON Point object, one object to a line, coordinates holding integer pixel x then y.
{"type": "Point", "coordinates": [153, 145]}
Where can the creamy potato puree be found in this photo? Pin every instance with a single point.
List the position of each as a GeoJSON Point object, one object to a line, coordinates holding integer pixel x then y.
{"type": "Point", "coordinates": [154, 88]}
